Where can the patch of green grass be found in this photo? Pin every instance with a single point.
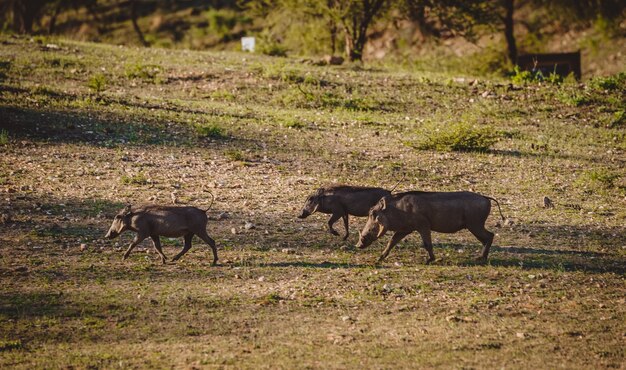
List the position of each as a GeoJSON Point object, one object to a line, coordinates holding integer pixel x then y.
{"type": "Point", "coordinates": [293, 123]}
{"type": "Point", "coordinates": [209, 131]}
{"type": "Point", "coordinates": [272, 48]}
{"type": "Point", "coordinates": [5, 67]}
{"type": "Point", "coordinates": [146, 72]}
{"type": "Point", "coordinates": [8, 345]}
{"type": "Point", "coordinates": [574, 98]}
{"type": "Point", "coordinates": [459, 137]}
{"type": "Point", "coordinates": [136, 179]}
{"type": "Point", "coordinates": [97, 83]}
{"type": "Point", "coordinates": [618, 119]}
{"type": "Point", "coordinates": [599, 178]}
{"type": "Point", "coordinates": [4, 137]}
{"type": "Point", "coordinates": [223, 95]}
{"type": "Point", "coordinates": [234, 155]}
{"type": "Point", "coordinates": [610, 83]}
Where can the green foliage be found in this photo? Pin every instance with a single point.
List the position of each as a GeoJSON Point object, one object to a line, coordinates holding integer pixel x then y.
{"type": "Point", "coordinates": [137, 179]}
{"type": "Point", "coordinates": [610, 83]}
{"type": "Point", "coordinates": [209, 131]}
{"type": "Point", "coordinates": [460, 137]}
{"type": "Point", "coordinates": [223, 95]}
{"type": "Point", "coordinates": [521, 77]}
{"type": "Point", "coordinates": [234, 155]}
{"type": "Point", "coordinates": [8, 345]}
{"type": "Point", "coordinates": [618, 119]}
{"type": "Point", "coordinates": [272, 48]}
{"type": "Point", "coordinates": [97, 83]}
{"type": "Point", "coordinates": [293, 123]}
{"type": "Point", "coordinates": [599, 178]}
{"type": "Point", "coordinates": [575, 98]}
{"type": "Point", "coordinates": [5, 67]}
{"type": "Point", "coordinates": [223, 21]}
{"type": "Point", "coordinates": [146, 72]}
{"type": "Point", "coordinates": [4, 137]}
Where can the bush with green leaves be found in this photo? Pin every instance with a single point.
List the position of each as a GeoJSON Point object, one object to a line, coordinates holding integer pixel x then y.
{"type": "Point", "coordinates": [209, 131]}
{"type": "Point", "coordinates": [458, 137]}
{"type": "Point", "coordinates": [520, 77]}
{"type": "Point", "coordinates": [610, 83]}
{"type": "Point", "coordinates": [598, 178]}
{"type": "Point", "coordinates": [97, 83]}
{"type": "Point", "coordinates": [4, 137]}
{"type": "Point", "coordinates": [146, 72]}
{"type": "Point", "coordinates": [5, 66]}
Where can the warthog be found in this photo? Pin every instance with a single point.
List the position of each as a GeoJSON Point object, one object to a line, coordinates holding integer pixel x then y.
{"type": "Point", "coordinates": [341, 201]}
{"type": "Point", "coordinates": [425, 212]}
{"type": "Point", "coordinates": [154, 221]}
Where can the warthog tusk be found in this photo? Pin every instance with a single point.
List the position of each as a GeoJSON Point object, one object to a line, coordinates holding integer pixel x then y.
{"type": "Point", "coordinates": [381, 232]}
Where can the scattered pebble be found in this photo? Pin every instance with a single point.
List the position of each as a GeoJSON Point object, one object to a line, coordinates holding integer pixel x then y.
{"type": "Point", "coordinates": [249, 225]}
{"type": "Point", "coordinates": [83, 247]}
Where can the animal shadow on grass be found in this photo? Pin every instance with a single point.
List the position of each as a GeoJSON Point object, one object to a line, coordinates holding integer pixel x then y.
{"type": "Point", "coordinates": [325, 264]}
{"type": "Point", "coordinates": [553, 259]}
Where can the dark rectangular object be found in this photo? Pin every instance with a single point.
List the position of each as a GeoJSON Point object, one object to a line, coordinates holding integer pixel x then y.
{"type": "Point", "coordinates": [560, 63]}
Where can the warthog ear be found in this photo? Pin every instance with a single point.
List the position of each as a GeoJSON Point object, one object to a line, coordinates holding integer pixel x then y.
{"type": "Point", "coordinates": [127, 210]}
{"type": "Point", "coordinates": [384, 203]}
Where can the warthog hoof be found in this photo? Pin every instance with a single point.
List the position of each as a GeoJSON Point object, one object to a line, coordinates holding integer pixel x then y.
{"type": "Point", "coordinates": [481, 259]}
{"type": "Point", "coordinates": [429, 261]}
{"type": "Point", "coordinates": [334, 232]}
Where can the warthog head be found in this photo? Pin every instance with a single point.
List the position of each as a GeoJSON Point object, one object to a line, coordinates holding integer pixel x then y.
{"type": "Point", "coordinates": [121, 223]}
{"type": "Point", "coordinates": [376, 226]}
{"type": "Point", "coordinates": [312, 204]}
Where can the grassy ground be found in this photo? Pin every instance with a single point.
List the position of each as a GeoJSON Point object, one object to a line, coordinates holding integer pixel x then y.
{"type": "Point", "coordinates": [87, 128]}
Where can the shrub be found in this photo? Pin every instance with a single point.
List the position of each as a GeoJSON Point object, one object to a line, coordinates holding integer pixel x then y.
{"type": "Point", "coordinates": [209, 130]}
{"type": "Point", "coordinates": [4, 137]}
{"type": "Point", "coordinates": [146, 72]}
{"type": "Point", "coordinates": [460, 137]}
{"type": "Point", "coordinates": [598, 178]}
{"type": "Point", "coordinates": [234, 155]}
{"type": "Point", "coordinates": [97, 83]}
{"type": "Point", "coordinates": [293, 123]}
{"type": "Point", "coordinates": [618, 119]}
{"type": "Point", "coordinates": [609, 83]}
{"type": "Point", "coordinates": [137, 179]}
{"type": "Point", "coordinates": [5, 66]}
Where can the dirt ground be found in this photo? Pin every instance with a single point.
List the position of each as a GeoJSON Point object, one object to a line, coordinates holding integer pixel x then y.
{"type": "Point", "coordinates": [261, 134]}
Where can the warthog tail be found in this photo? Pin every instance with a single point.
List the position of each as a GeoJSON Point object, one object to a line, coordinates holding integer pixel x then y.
{"type": "Point", "coordinates": [210, 205]}
{"type": "Point", "coordinates": [499, 209]}
{"type": "Point", "coordinates": [398, 183]}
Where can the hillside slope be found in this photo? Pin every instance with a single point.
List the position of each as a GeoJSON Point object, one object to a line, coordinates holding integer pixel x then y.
{"type": "Point", "coordinates": [87, 128]}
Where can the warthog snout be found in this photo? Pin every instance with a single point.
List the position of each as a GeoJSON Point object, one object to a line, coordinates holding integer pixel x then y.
{"type": "Point", "coordinates": [304, 214]}
{"type": "Point", "coordinates": [111, 234]}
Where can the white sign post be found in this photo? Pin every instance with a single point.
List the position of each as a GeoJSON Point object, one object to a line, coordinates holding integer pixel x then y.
{"type": "Point", "coordinates": [247, 44]}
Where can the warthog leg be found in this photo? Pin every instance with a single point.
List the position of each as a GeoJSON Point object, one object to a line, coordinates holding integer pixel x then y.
{"type": "Point", "coordinates": [207, 239]}
{"type": "Point", "coordinates": [157, 245]}
{"type": "Point", "coordinates": [485, 237]}
{"type": "Point", "coordinates": [333, 218]}
{"type": "Point", "coordinates": [394, 240]}
{"type": "Point", "coordinates": [428, 245]}
{"type": "Point", "coordinates": [345, 224]}
{"type": "Point", "coordinates": [187, 246]}
{"type": "Point", "coordinates": [138, 239]}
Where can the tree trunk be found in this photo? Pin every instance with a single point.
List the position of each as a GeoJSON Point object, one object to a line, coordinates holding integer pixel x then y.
{"type": "Point", "coordinates": [508, 30]}
{"type": "Point", "coordinates": [133, 17]}
{"type": "Point", "coordinates": [53, 18]}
